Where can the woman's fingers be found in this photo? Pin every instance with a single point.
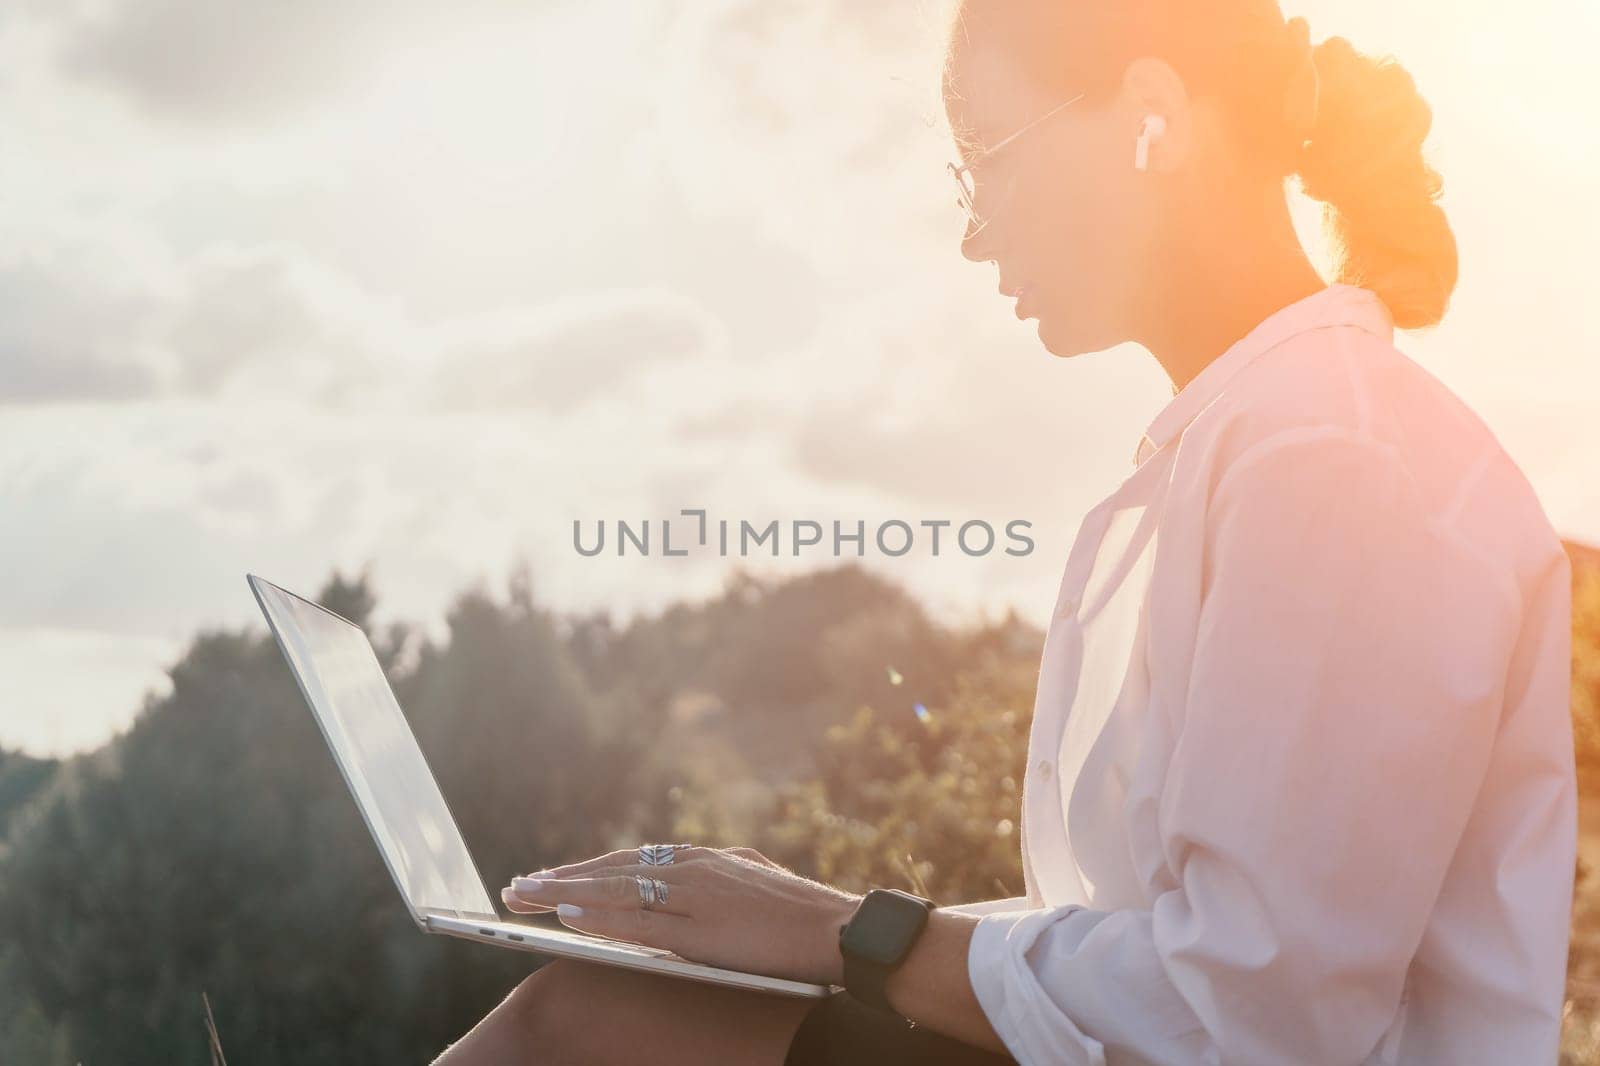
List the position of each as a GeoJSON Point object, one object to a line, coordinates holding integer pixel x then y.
{"type": "Point", "coordinates": [578, 869]}
{"type": "Point", "coordinates": [529, 894]}
{"type": "Point", "coordinates": [517, 905]}
{"type": "Point", "coordinates": [656, 928]}
{"type": "Point", "coordinates": [599, 893]}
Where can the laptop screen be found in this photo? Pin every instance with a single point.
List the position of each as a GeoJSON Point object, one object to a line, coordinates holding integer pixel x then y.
{"type": "Point", "coordinates": [343, 682]}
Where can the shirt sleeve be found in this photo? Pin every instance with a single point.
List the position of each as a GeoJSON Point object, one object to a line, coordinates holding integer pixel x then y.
{"type": "Point", "coordinates": [1342, 703]}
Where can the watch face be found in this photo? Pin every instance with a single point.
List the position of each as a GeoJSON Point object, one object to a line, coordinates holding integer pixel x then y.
{"type": "Point", "coordinates": [884, 926]}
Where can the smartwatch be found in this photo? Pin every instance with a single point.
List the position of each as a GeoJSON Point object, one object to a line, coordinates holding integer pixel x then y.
{"type": "Point", "coordinates": [877, 939]}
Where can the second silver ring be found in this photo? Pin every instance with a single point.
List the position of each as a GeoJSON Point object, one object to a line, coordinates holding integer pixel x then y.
{"type": "Point", "coordinates": [652, 890]}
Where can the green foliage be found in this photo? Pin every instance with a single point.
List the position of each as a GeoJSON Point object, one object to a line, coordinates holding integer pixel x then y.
{"type": "Point", "coordinates": [1581, 1043]}
{"type": "Point", "coordinates": [1586, 673]}
{"type": "Point", "coordinates": [928, 803]}
{"type": "Point", "coordinates": [21, 777]}
{"type": "Point", "coordinates": [932, 807]}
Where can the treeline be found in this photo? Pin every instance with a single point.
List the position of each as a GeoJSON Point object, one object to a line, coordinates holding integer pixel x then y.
{"type": "Point", "coordinates": [213, 847]}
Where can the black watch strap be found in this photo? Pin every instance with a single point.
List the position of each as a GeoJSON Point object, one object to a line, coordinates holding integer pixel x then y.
{"type": "Point", "coordinates": [867, 981]}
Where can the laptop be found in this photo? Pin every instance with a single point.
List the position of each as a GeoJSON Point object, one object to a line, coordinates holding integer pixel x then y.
{"type": "Point", "coordinates": [350, 697]}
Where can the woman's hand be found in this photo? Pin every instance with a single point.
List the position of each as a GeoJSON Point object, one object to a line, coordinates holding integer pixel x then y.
{"type": "Point", "coordinates": [521, 906]}
{"type": "Point", "coordinates": [733, 908]}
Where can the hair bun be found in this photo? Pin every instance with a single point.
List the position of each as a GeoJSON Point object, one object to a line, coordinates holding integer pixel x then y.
{"type": "Point", "coordinates": [1364, 160]}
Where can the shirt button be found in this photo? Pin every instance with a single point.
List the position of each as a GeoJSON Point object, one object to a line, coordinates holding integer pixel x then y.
{"type": "Point", "coordinates": [1045, 768]}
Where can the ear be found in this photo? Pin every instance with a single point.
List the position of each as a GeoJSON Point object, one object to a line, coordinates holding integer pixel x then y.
{"type": "Point", "coordinates": [1151, 87]}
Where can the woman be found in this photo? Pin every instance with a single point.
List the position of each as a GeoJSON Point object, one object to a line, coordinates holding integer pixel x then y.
{"type": "Point", "coordinates": [1300, 783]}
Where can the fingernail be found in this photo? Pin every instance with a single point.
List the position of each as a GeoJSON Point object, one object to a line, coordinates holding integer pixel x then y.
{"type": "Point", "coordinates": [569, 910]}
{"type": "Point", "coordinates": [526, 886]}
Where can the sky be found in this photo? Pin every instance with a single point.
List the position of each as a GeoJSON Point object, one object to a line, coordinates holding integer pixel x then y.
{"type": "Point", "coordinates": [411, 287]}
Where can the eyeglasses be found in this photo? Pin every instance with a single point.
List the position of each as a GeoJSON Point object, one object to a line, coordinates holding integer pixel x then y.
{"type": "Point", "coordinates": [967, 197]}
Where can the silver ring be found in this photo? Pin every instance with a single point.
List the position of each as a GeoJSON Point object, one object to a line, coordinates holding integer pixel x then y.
{"type": "Point", "coordinates": [660, 890]}
{"type": "Point", "coordinates": [647, 890]}
{"type": "Point", "coordinates": [658, 854]}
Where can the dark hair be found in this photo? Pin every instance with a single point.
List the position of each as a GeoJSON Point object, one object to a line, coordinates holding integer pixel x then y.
{"type": "Point", "coordinates": [1361, 156]}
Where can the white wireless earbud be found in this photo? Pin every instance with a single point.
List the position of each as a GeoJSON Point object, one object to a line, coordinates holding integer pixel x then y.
{"type": "Point", "coordinates": [1152, 127]}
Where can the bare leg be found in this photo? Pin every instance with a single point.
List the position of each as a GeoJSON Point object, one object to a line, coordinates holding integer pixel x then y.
{"type": "Point", "coordinates": [572, 1013]}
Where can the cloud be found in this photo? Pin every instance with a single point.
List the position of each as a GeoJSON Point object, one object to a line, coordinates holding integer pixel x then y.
{"type": "Point", "coordinates": [743, 112]}
{"type": "Point", "coordinates": [737, 422]}
{"type": "Point", "coordinates": [238, 63]}
{"type": "Point", "coordinates": [80, 321]}
{"type": "Point", "coordinates": [31, 374]}
{"type": "Point", "coordinates": [954, 431]}
{"type": "Point", "coordinates": [268, 320]}
{"type": "Point", "coordinates": [211, 61]}
{"type": "Point", "coordinates": [66, 333]}
{"type": "Point", "coordinates": [238, 313]}
{"type": "Point", "coordinates": [561, 359]}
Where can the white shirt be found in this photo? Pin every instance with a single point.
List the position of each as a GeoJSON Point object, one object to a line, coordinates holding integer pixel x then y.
{"type": "Point", "coordinates": [1300, 784]}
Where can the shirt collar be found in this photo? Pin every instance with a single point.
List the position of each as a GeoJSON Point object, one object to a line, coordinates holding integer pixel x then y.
{"type": "Point", "coordinates": [1336, 305]}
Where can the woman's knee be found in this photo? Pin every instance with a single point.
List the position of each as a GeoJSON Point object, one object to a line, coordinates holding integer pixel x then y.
{"type": "Point", "coordinates": [570, 1011]}
{"type": "Point", "coordinates": [553, 1005]}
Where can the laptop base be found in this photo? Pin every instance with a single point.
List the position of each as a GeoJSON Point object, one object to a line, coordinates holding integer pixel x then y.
{"type": "Point", "coordinates": [564, 943]}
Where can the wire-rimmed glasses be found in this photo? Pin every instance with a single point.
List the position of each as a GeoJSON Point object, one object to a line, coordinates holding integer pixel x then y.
{"type": "Point", "coordinates": [966, 198]}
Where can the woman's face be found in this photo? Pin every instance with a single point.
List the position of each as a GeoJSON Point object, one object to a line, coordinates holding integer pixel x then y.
{"type": "Point", "coordinates": [1068, 221]}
